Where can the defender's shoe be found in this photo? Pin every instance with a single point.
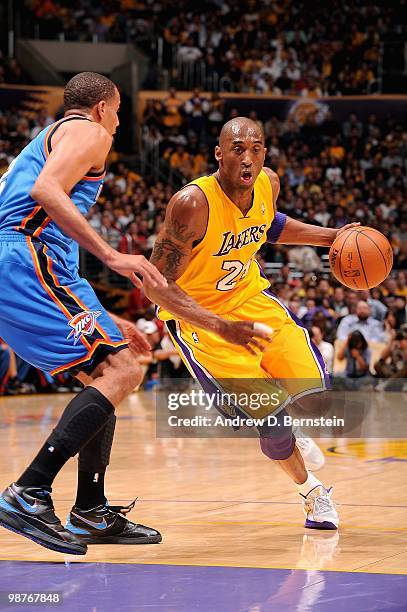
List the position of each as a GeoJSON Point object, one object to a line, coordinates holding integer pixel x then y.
{"type": "Point", "coordinates": [29, 511]}
{"type": "Point", "coordinates": [311, 453]}
{"type": "Point", "coordinates": [107, 525]}
{"type": "Point", "coordinates": [319, 509]}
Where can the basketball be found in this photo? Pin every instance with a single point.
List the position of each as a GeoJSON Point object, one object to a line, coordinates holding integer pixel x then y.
{"type": "Point", "coordinates": [361, 258]}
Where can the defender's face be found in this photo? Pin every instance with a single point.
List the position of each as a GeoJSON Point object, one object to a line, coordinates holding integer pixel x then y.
{"type": "Point", "coordinates": [108, 113]}
{"type": "Point", "coordinates": [241, 157]}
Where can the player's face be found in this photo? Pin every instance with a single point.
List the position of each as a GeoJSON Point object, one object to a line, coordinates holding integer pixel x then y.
{"type": "Point", "coordinates": [109, 118]}
{"type": "Point", "coordinates": [241, 157]}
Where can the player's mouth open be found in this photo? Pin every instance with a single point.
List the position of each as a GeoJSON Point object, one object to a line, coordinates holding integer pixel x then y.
{"type": "Point", "coordinates": [246, 176]}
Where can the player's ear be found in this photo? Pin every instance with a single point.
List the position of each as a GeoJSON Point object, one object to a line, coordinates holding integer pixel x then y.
{"type": "Point", "coordinates": [101, 108]}
{"type": "Point", "coordinates": [218, 153]}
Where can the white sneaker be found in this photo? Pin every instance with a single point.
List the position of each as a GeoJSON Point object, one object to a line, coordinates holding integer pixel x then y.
{"type": "Point", "coordinates": [311, 453]}
{"type": "Point", "coordinates": [320, 510]}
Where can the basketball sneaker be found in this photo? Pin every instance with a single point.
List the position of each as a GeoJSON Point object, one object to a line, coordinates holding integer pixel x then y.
{"type": "Point", "coordinates": [311, 453]}
{"type": "Point", "coordinates": [106, 524]}
{"type": "Point", "coordinates": [319, 509]}
{"type": "Point", "coordinates": [29, 511]}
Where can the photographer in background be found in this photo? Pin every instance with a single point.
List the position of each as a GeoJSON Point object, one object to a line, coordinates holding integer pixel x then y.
{"type": "Point", "coordinates": [392, 364]}
{"type": "Point", "coordinates": [358, 355]}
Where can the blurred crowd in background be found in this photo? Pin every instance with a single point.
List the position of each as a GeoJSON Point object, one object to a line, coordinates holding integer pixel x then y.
{"type": "Point", "coordinates": [11, 71]}
{"type": "Point", "coordinates": [330, 175]}
{"type": "Point", "coordinates": [268, 47]}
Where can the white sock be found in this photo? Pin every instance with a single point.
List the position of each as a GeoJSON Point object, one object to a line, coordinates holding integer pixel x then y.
{"type": "Point", "coordinates": [308, 485]}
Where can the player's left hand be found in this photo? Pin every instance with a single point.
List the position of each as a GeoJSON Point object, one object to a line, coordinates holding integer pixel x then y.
{"type": "Point", "coordinates": [345, 228]}
{"type": "Point", "coordinates": [138, 342]}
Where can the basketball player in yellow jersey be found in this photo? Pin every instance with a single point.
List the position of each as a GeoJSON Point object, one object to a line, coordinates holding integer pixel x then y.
{"type": "Point", "coordinates": [213, 228]}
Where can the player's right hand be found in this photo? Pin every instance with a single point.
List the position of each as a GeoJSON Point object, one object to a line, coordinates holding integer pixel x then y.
{"type": "Point", "coordinates": [244, 334]}
{"type": "Point", "coordinates": [131, 265]}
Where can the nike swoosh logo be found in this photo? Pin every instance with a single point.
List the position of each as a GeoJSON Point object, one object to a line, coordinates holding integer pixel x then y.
{"type": "Point", "coordinates": [100, 525]}
{"type": "Point", "coordinates": [31, 508]}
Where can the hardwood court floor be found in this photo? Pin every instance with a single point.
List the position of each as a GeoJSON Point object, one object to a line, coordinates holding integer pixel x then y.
{"type": "Point", "coordinates": [219, 502]}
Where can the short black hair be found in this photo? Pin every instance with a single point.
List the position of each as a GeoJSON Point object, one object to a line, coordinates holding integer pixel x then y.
{"type": "Point", "coordinates": [86, 89]}
{"type": "Point", "coordinates": [355, 339]}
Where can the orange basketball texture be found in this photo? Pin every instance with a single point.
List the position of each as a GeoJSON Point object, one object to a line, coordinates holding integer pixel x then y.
{"type": "Point", "coordinates": [361, 258]}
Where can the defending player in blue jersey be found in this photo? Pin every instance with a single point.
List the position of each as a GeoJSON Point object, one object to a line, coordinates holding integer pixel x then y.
{"type": "Point", "coordinates": [52, 318]}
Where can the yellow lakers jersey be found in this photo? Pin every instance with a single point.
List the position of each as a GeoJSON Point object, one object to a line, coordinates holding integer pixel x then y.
{"type": "Point", "coordinates": [222, 273]}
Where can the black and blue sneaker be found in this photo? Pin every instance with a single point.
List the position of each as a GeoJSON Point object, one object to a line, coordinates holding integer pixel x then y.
{"type": "Point", "coordinates": [29, 511]}
{"type": "Point", "coordinates": [106, 524]}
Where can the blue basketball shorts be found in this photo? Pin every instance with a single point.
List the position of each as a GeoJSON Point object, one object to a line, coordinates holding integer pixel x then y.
{"type": "Point", "coordinates": [49, 315]}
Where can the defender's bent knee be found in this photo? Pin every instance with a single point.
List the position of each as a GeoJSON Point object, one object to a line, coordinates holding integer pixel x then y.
{"type": "Point", "coordinates": [126, 369]}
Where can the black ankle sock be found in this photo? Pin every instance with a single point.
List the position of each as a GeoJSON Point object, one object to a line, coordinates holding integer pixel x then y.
{"type": "Point", "coordinates": [43, 468]}
{"type": "Point", "coordinates": [91, 490]}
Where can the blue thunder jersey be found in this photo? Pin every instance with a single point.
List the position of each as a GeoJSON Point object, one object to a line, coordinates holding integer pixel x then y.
{"type": "Point", "coordinates": [49, 315]}
{"type": "Point", "coordinates": [19, 212]}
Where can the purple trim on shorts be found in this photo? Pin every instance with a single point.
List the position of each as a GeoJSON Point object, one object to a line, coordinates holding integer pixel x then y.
{"type": "Point", "coordinates": [207, 384]}
{"type": "Point", "coordinates": [202, 378]}
{"type": "Point", "coordinates": [277, 226]}
{"type": "Point", "coordinates": [320, 359]}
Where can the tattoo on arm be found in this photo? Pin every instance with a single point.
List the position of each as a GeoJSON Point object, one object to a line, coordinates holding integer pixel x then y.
{"type": "Point", "coordinates": [179, 231]}
{"type": "Point", "coordinates": [167, 250]}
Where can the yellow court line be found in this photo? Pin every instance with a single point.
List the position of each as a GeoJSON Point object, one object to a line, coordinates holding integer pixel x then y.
{"type": "Point", "coordinates": [67, 559]}
{"type": "Point", "coordinates": [277, 524]}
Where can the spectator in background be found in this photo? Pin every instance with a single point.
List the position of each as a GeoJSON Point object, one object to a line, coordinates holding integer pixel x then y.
{"type": "Point", "coordinates": [197, 109]}
{"type": "Point", "coordinates": [390, 326]}
{"type": "Point", "coordinates": [188, 53]}
{"type": "Point", "coordinates": [305, 258]}
{"type": "Point", "coordinates": [351, 299]}
{"type": "Point", "coordinates": [108, 232]}
{"type": "Point", "coordinates": [132, 242]}
{"type": "Point", "coordinates": [326, 348]}
{"type": "Point", "coordinates": [138, 304]}
{"type": "Point", "coordinates": [181, 160]}
{"type": "Point", "coordinates": [401, 283]}
{"type": "Point", "coordinates": [358, 356]}
{"type": "Point", "coordinates": [201, 162]}
{"type": "Point", "coordinates": [392, 364]}
{"type": "Point", "coordinates": [337, 303]}
{"type": "Point", "coordinates": [216, 110]}
{"type": "Point", "coordinates": [377, 308]}
{"type": "Point", "coordinates": [363, 322]}
{"type": "Point", "coordinates": [171, 109]}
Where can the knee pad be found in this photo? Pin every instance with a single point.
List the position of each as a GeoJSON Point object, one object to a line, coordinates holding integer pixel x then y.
{"type": "Point", "coordinates": [277, 442]}
{"type": "Point", "coordinates": [82, 419]}
{"type": "Point", "coordinates": [95, 455]}
{"type": "Point", "coordinates": [278, 448]}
